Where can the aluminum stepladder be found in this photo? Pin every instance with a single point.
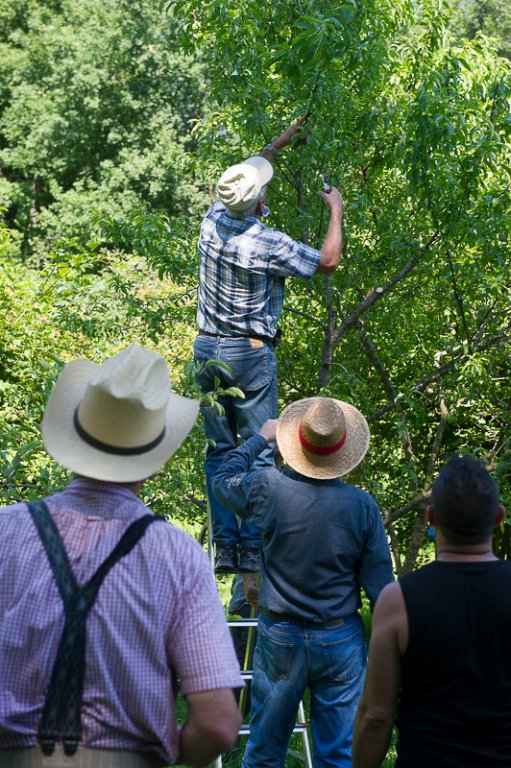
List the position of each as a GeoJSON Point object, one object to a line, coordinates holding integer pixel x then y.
{"type": "Point", "coordinates": [301, 726]}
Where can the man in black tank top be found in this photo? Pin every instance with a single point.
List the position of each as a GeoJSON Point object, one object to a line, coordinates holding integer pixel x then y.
{"type": "Point", "coordinates": [439, 658]}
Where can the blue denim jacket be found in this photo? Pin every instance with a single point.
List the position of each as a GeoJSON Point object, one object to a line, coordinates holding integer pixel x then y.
{"type": "Point", "coordinates": [322, 540]}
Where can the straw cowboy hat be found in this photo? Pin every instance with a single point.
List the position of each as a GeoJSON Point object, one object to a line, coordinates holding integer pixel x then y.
{"type": "Point", "coordinates": [117, 421]}
{"type": "Point", "coordinates": [240, 186]}
{"type": "Point", "coordinates": [321, 437]}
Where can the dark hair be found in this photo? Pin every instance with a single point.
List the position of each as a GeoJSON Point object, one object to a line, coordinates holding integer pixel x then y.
{"type": "Point", "coordinates": [465, 499]}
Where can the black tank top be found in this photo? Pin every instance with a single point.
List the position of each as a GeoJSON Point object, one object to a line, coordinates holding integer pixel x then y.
{"type": "Point", "coordinates": [455, 702]}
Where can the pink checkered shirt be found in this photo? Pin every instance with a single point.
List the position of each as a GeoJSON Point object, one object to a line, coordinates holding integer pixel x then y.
{"type": "Point", "coordinates": [157, 620]}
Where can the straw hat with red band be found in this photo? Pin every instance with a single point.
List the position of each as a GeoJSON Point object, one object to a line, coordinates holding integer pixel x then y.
{"type": "Point", "coordinates": [321, 437]}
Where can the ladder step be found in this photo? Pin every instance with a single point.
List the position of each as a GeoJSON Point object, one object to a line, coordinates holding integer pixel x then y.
{"type": "Point", "coordinates": [242, 623]}
{"type": "Point", "coordinates": [299, 728]}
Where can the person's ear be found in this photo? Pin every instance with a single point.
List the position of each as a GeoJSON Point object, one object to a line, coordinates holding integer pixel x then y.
{"type": "Point", "coordinates": [430, 514]}
{"type": "Point", "coordinates": [501, 513]}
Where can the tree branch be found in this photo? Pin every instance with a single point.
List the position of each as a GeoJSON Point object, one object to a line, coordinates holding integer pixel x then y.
{"type": "Point", "coordinates": [438, 373]}
{"type": "Point", "coordinates": [379, 292]}
{"type": "Point", "coordinates": [377, 362]}
{"type": "Point", "coordinates": [328, 346]}
{"type": "Point", "coordinates": [391, 517]}
{"type": "Point", "coordinates": [419, 525]}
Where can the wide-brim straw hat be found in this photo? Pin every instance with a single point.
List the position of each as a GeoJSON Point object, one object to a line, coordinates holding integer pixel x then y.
{"type": "Point", "coordinates": [240, 186]}
{"type": "Point", "coordinates": [118, 421]}
{"type": "Point", "coordinates": [321, 437]}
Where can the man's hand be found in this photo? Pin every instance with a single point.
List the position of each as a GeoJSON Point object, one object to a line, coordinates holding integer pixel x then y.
{"type": "Point", "coordinates": [288, 135]}
{"type": "Point", "coordinates": [250, 589]}
{"type": "Point", "coordinates": [269, 430]}
{"type": "Point", "coordinates": [332, 199]}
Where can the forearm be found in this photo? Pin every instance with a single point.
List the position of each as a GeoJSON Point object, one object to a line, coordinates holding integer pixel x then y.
{"type": "Point", "coordinates": [196, 748]}
{"type": "Point", "coordinates": [332, 244]}
{"type": "Point", "coordinates": [283, 140]}
{"type": "Point", "coordinates": [209, 730]}
{"type": "Point", "coordinates": [371, 738]}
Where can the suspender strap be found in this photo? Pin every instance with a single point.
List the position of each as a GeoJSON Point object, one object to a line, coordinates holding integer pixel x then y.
{"type": "Point", "coordinates": [61, 714]}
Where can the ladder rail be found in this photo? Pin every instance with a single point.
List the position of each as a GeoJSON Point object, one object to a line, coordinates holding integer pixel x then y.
{"type": "Point", "coordinates": [301, 727]}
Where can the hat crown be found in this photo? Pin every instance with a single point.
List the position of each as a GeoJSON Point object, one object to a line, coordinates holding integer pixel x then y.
{"type": "Point", "coordinates": [135, 373]}
{"type": "Point", "coordinates": [240, 186]}
{"type": "Point", "coordinates": [125, 403]}
{"type": "Point", "coordinates": [323, 424]}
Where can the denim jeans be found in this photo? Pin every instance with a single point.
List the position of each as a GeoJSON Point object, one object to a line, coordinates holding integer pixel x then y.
{"type": "Point", "coordinates": [289, 657]}
{"type": "Point", "coordinates": [254, 370]}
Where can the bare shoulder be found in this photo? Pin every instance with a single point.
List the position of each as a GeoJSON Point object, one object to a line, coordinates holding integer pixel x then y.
{"type": "Point", "coordinates": [391, 596]}
{"type": "Point", "coordinates": [390, 615]}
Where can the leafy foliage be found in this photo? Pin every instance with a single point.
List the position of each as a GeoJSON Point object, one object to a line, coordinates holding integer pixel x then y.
{"type": "Point", "coordinates": [491, 17]}
{"type": "Point", "coordinates": [414, 126]}
{"type": "Point", "coordinates": [95, 111]}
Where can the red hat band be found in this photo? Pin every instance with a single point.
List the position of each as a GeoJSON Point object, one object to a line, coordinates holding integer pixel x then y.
{"type": "Point", "coordinates": [316, 449]}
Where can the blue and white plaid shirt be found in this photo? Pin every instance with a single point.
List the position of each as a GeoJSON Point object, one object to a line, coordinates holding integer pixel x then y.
{"type": "Point", "coordinates": [243, 266]}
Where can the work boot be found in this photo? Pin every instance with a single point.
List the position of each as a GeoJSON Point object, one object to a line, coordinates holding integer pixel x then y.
{"type": "Point", "coordinates": [249, 560]}
{"type": "Point", "coordinates": [226, 558]}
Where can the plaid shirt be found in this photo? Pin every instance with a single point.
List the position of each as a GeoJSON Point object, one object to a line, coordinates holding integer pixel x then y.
{"type": "Point", "coordinates": [157, 618]}
{"type": "Point", "coordinates": [243, 266]}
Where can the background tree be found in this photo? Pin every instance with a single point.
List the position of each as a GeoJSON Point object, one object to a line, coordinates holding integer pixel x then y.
{"type": "Point", "coordinates": [95, 111]}
{"type": "Point", "coordinates": [491, 17]}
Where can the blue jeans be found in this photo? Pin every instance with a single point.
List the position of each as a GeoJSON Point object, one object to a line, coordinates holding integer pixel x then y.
{"type": "Point", "coordinates": [289, 657]}
{"type": "Point", "coordinates": [254, 370]}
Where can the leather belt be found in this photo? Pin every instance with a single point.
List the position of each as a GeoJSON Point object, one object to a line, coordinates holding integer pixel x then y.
{"type": "Point", "coordinates": [286, 617]}
{"type": "Point", "coordinates": [266, 339]}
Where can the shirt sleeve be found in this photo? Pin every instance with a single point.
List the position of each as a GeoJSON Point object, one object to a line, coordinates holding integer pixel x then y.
{"type": "Point", "coordinates": [290, 258]}
{"type": "Point", "coordinates": [375, 563]}
{"type": "Point", "coordinates": [200, 646]}
{"type": "Point", "coordinates": [234, 483]}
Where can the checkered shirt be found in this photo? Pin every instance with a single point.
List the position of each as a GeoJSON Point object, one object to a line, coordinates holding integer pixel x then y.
{"type": "Point", "coordinates": [157, 619]}
{"type": "Point", "coordinates": [243, 266]}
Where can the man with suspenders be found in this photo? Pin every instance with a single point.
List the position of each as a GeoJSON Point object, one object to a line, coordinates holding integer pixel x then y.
{"type": "Point", "coordinates": [105, 610]}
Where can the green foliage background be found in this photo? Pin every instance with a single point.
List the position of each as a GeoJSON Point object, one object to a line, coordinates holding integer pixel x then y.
{"type": "Point", "coordinates": [116, 119]}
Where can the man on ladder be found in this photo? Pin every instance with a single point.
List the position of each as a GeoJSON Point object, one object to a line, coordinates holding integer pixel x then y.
{"type": "Point", "coordinates": [322, 541]}
{"type": "Point", "coordinates": [243, 267]}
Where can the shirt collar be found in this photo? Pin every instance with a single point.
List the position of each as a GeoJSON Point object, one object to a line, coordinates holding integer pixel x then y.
{"type": "Point", "coordinates": [80, 483]}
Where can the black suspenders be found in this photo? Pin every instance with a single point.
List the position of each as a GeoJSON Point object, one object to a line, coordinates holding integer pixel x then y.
{"type": "Point", "coordinates": [61, 714]}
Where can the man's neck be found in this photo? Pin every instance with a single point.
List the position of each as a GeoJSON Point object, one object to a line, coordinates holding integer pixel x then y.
{"type": "Point", "coordinates": [469, 553]}
{"type": "Point", "coordinates": [133, 487]}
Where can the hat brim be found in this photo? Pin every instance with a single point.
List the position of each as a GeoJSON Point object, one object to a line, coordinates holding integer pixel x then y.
{"type": "Point", "coordinates": [263, 167]}
{"type": "Point", "coordinates": [322, 467]}
{"type": "Point", "coordinates": [66, 446]}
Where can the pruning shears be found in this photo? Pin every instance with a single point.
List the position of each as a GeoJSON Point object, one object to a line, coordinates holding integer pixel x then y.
{"type": "Point", "coordinates": [326, 184]}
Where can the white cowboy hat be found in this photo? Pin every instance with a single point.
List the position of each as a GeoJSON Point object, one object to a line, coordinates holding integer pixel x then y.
{"type": "Point", "coordinates": [321, 437]}
{"type": "Point", "coordinates": [117, 421]}
{"type": "Point", "coordinates": [240, 186]}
